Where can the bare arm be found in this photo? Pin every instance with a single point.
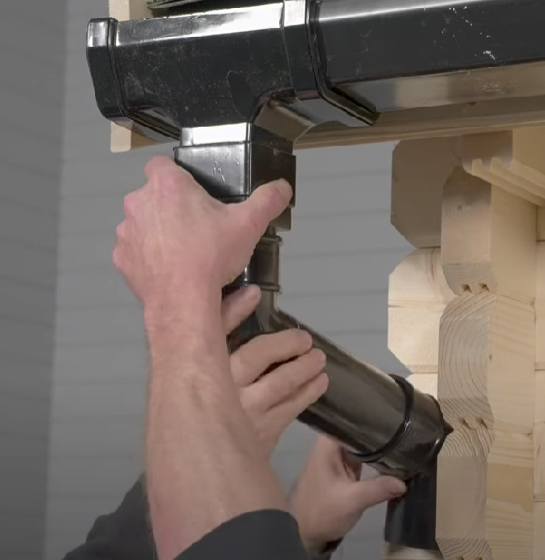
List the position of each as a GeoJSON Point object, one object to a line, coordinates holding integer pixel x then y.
{"type": "Point", "coordinates": [201, 446]}
{"type": "Point", "coordinates": [271, 402]}
{"type": "Point", "coordinates": [177, 249]}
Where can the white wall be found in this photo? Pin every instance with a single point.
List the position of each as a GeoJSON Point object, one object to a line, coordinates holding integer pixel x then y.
{"type": "Point", "coordinates": [335, 268]}
{"type": "Point", "coordinates": [31, 98]}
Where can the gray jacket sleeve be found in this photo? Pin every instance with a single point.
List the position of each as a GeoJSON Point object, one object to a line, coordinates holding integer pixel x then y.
{"type": "Point", "coordinates": [260, 535]}
{"type": "Point", "coordinates": [125, 534]}
{"type": "Point", "coordinates": [328, 553]}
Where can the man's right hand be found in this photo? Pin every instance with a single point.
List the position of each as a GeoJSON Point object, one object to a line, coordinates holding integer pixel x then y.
{"type": "Point", "coordinates": [177, 238]}
{"type": "Point", "coordinates": [275, 400]}
{"type": "Point", "coordinates": [177, 248]}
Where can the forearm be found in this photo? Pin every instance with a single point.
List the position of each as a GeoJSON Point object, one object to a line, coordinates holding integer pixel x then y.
{"type": "Point", "coordinates": [201, 446]}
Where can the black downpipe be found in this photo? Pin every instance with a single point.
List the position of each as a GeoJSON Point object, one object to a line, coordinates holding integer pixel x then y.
{"type": "Point", "coordinates": [380, 420]}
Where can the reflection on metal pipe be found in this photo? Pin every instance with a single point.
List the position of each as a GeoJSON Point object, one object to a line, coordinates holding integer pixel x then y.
{"type": "Point", "coordinates": [379, 418]}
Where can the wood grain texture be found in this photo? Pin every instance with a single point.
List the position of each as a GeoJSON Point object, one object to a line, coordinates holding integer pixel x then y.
{"type": "Point", "coordinates": [486, 384]}
{"type": "Point", "coordinates": [417, 297]}
{"type": "Point", "coordinates": [434, 122]}
{"type": "Point", "coordinates": [539, 427]}
{"type": "Point", "coordinates": [486, 363]}
{"type": "Point", "coordinates": [539, 533]}
{"type": "Point", "coordinates": [541, 223]}
{"type": "Point", "coordinates": [539, 440]}
{"type": "Point", "coordinates": [124, 10]}
{"type": "Point", "coordinates": [488, 238]}
{"type": "Point", "coordinates": [512, 160]}
{"type": "Point", "coordinates": [127, 138]}
{"type": "Point", "coordinates": [540, 307]}
{"type": "Point", "coordinates": [485, 508]}
{"type": "Point", "coordinates": [418, 292]}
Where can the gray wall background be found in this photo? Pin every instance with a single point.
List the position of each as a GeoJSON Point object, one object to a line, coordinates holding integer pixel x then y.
{"type": "Point", "coordinates": [31, 111]}
{"type": "Point", "coordinates": [335, 270]}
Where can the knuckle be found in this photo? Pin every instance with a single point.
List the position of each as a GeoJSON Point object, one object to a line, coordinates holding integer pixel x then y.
{"type": "Point", "coordinates": [319, 356]}
{"type": "Point", "coordinates": [303, 339]}
{"type": "Point", "coordinates": [321, 385]}
{"type": "Point", "coordinates": [157, 165]}
{"type": "Point", "coordinates": [169, 179]}
{"type": "Point", "coordinates": [313, 391]}
{"type": "Point", "coordinates": [307, 364]}
{"type": "Point", "coordinates": [288, 379]}
{"type": "Point", "coordinates": [306, 367]}
{"type": "Point", "coordinates": [170, 176]}
{"type": "Point", "coordinates": [316, 357]}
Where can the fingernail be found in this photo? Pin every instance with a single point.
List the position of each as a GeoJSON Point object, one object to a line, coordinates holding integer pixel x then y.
{"type": "Point", "coordinates": [306, 339]}
{"type": "Point", "coordinates": [398, 488]}
{"type": "Point", "coordinates": [254, 290]}
{"type": "Point", "coordinates": [284, 186]}
{"type": "Point", "coordinates": [321, 357]}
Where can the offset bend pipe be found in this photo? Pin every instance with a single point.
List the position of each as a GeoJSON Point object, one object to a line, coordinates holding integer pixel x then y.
{"type": "Point", "coordinates": [380, 419]}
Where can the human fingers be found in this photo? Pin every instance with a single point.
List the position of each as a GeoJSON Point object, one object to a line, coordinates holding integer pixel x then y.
{"type": "Point", "coordinates": [285, 413]}
{"type": "Point", "coordinates": [285, 382]}
{"type": "Point", "coordinates": [257, 356]}
{"type": "Point", "coordinates": [160, 165]}
{"type": "Point", "coordinates": [369, 493]}
{"type": "Point", "coordinates": [264, 205]}
{"type": "Point", "coordinates": [238, 306]}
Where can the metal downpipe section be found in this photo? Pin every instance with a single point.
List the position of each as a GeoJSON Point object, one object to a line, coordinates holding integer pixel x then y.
{"type": "Point", "coordinates": [379, 419]}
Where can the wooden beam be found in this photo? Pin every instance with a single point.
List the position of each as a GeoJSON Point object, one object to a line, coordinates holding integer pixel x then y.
{"type": "Point", "coordinates": [489, 349]}
{"type": "Point", "coordinates": [434, 122]}
{"type": "Point", "coordinates": [512, 160]}
{"type": "Point", "coordinates": [486, 371]}
{"type": "Point", "coordinates": [418, 292]}
{"type": "Point", "coordinates": [474, 257]}
{"type": "Point", "coordinates": [539, 427]}
{"type": "Point", "coordinates": [541, 224]}
{"type": "Point", "coordinates": [124, 10]}
{"type": "Point", "coordinates": [426, 123]}
{"type": "Point", "coordinates": [417, 297]}
{"type": "Point", "coordinates": [539, 533]}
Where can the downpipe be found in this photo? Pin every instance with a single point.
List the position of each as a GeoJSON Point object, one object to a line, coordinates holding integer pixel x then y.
{"type": "Point", "coordinates": [380, 419]}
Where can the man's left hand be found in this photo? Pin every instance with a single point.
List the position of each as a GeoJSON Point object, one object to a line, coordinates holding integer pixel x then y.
{"type": "Point", "coordinates": [329, 498]}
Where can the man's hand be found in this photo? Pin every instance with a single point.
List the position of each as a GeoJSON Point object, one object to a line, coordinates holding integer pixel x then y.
{"type": "Point", "coordinates": [177, 248]}
{"type": "Point", "coordinates": [275, 400]}
{"type": "Point", "coordinates": [178, 238]}
{"type": "Point", "coordinates": [329, 497]}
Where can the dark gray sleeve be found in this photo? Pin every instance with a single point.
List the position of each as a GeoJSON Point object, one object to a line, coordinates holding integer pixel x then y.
{"type": "Point", "coordinates": [124, 534]}
{"type": "Point", "coordinates": [328, 552]}
{"type": "Point", "coordinates": [262, 535]}
{"type": "Point", "coordinates": [324, 556]}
